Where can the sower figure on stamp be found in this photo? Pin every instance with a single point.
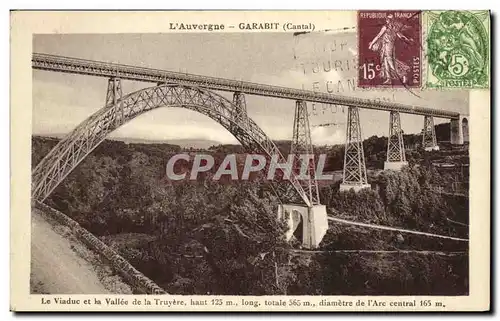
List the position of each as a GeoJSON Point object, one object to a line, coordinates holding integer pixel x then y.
{"type": "Point", "coordinates": [384, 42]}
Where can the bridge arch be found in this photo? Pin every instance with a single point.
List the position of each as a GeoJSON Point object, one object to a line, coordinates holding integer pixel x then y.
{"type": "Point", "coordinates": [71, 150]}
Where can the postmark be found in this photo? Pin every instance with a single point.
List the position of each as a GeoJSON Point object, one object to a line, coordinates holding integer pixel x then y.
{"type": "Point", "coordinates": [389, 49]}
{"type": "Point", "coordinates": [457, 49]}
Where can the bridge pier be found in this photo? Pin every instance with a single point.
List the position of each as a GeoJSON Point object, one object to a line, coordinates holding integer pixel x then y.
{"type": "Point", "coordinates": [396, 157]}
{"type": "Point", "coordinates": [113, 94]}
{"type": "Point", "coordinates": [354, 157]}
{"type": "Point", "coordinates": [459, 130]}
{"type": "Point", "coordinates": [307, 224]}
{"type": "Point", "coordinates": [239, 114]}
{"type": "Point", "coordinates": [302, 145]}
{"type": "Point", "coordinates": [429, 142]}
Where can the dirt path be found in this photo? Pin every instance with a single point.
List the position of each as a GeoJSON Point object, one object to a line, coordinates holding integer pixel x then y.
{"type": "Point", "coordinates": [55, 267]}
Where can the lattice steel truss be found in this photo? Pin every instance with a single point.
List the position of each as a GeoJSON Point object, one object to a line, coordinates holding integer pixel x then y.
{"type": "Point", "coordinates": [429, 133]}
{"type": "Point", "coordinates": [113, 95]}
{"type": "Point", "coordinates": [395, 145]}
{"type": "Point", "coordinates": [302, 145]}
{"type": "Point", "coordinates": [354, 156]}
{"type": "Point", "coordinates": [240, 112]}
{"type": "Point", "coordinates": [114, 92]}
{"type": "Point", "coordinates": [108, 70]}
{"type": "Point", "coordinates": [71, 150]}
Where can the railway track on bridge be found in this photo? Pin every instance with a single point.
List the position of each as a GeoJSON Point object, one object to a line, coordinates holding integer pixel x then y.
{"type": "Point", "coordinates": [112, 70]}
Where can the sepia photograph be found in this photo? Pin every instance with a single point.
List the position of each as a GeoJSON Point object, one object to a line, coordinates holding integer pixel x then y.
{"type": "Point", "coordinates": [271, 159]}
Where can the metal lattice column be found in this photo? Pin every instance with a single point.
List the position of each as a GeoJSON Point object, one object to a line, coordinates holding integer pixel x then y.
{"type": "Point", "coordinates": [395, 145]}
{"type": "Point", "coordinates": [302, 145]}
{"type": "Point", "coordinates": [113, 94]}
{"type": "Point", "coordinates": [354, 156]}
{"type": "Point", "coordinates": [429, 141]}
{"type": "Point", "coordinates": [239, 115]}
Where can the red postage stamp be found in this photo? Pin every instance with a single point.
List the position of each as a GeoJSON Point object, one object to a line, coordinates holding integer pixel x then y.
{"type": "Point", "coordinates": [389, 49]}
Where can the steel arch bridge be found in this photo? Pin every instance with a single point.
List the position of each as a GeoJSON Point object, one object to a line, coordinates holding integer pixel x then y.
{"type": "Point", "coordinates": [71, 150]}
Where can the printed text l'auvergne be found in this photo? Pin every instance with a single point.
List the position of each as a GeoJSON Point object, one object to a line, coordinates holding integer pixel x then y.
{"type": "Point", "coordinates": [181, 26]}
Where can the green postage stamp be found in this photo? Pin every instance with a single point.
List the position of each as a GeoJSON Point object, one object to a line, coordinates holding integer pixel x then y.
{"type": "Point", "coordinates": [458, 49]}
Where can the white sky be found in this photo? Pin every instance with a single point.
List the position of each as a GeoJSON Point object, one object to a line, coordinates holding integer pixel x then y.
{"type": "Point", "coordinates": [313, 61]}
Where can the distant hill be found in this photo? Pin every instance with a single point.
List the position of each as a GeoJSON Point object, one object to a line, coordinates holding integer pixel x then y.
{"type": "Point", "coordinates": [442, 134]}
{"type": "Point", "coordinates": [198, 143]}
{"type": "Point", "coordinates": [184, 143]}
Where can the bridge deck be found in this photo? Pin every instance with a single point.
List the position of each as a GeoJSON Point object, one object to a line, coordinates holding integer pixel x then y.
{"type": "Point", "coordinates": [104, 69]}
